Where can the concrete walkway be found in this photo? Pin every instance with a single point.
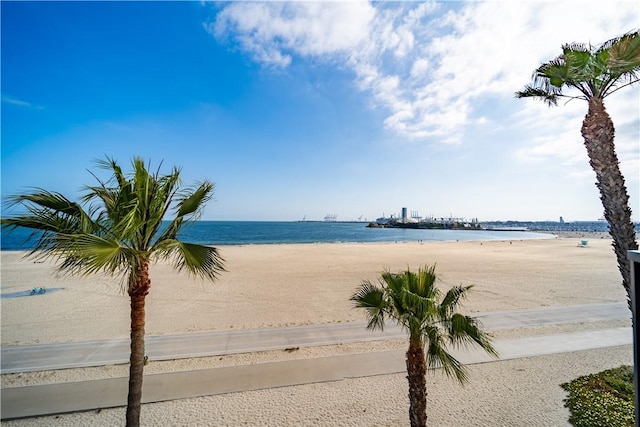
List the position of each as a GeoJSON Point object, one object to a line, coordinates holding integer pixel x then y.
{"type": "Point", "coordinates": [40, 357]}
{"type": "Point", "coordinates": [50, 399]}
{"type": "Point", "coordinates": [89, 395]}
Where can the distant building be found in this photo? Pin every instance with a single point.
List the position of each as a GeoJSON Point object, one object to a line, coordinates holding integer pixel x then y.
{"type": "Point", "coordinates": [403, 220]}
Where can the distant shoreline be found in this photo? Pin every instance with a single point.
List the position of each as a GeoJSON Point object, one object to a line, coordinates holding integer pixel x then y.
{"type": "Point", "coordinates": [564, 235]}
{"type": "Point", "coordinates": [364, 243]}
{"type": "Point", "coordinates": [221, 233]}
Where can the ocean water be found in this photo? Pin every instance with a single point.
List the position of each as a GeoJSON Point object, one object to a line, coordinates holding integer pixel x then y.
{"type": "Point", "coordinates": [269, 232]}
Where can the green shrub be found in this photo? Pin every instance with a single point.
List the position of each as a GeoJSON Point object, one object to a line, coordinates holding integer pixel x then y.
{"type": "Point", "coordinates": [602, 399]}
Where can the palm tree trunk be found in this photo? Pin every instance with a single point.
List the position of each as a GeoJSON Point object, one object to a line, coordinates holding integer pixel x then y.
{"type": "Point", "coordinates": [138, 290]}
{"type": "Point", "coordinates": [416, 373]}
{"type": "Point", "coordinates": [598, 134]}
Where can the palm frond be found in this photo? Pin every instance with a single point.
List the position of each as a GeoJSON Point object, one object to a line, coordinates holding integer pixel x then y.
{"type": "Point", "coordinates": [110, 164]}
{"type": "Point", "coordinates": [117, 202]}
{"type": "Point", "coordinates": [191, 202]}
{"type": "Point", "coordinates": [413, 301]}
{"type": "Point", "coordinates": [45, 199]}
{"type": "Point", "coordinates": [134, 205]}
{"type": "Point", "coordinates": [464, 331]}
{"type": "Point", "coordinates": [623, 58]}
{"type": "Point", "coordinates": [576, 47]}
{"type": "Point", "coordinates": [582, 66]}
{"type": "Point", "coordinates": [43, 232]}
{"type": "Point", "coordinates": [438, 357]}
{"type": "Point", "coordinates": [392, 281]}
{"type": "Point", "coordinates": [48, 215]}
{"type": "Point", "coordinates": [625, 48]}
{"type": "Point", "coordinates": [426, 280]}
{"type": "Point", "coordinates": [87, 254]}
{"type": "Point", "coordinates": [46, 203]}
{"type": "Point", "coordinates": [410, 293]}
{"type": "Point", "coordinates": [594, 72]}
{"type": "Point", "coordinates": [452, 298]}
{"type": "Point", "coordinates": [417, 306]}
{"type": "Point", "coordinates": [118, 230]}
{"type": "Point", "coordinates": [152, 195]}
{"type": "Point", "coordinates": [549, 98]}
{"type": "Point", "coordinates": [394, 287]}
{"type": "Point", "coordinates": [372, 299]}
{"type": "Point", "coordinates": [198, 260]}
{"type": "Point", "coordinates": [189, 205]}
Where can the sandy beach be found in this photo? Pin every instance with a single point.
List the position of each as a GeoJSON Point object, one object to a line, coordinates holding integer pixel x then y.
{"type": "Point", "coordinates": [280, 285]}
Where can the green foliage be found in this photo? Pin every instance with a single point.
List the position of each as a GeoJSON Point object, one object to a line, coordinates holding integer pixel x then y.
{"type": "Point", "coordinates": [593, 71]}
{"type": "Point", "coordinates": [430, 317]}
{"type": "Point", "coordinates": [602, 399]}
{"type": "Point", "coordinates": [116, 229]}
{"type": "Point", "coordinates": [118, 224]}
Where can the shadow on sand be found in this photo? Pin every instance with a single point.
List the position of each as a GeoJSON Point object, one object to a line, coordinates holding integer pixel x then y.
{"type": "Point", "coordinates": [28, 293]}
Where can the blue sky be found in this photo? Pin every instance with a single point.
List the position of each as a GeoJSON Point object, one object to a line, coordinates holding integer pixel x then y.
{"type": "Point", "coordinates": [304, 109]}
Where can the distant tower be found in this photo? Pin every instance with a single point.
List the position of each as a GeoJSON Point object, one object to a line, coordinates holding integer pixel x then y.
{"type": "Point", "coordinates": [561, 220]}
{"type": "Point", "coordinates": [404, 215]}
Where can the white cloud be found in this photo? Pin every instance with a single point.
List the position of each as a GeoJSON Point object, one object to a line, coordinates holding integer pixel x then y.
{"type": "Point", "coordinates": [273, 31]}
{"type": "Point", "coordinates": [419, 68]}
{"type": "Point", "coordinates": [429, 64]}
{"type": "Point", "coordinates": [14, 101]}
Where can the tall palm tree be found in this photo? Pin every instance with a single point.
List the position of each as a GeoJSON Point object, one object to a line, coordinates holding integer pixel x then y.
{"type": "Point", "coordinates": [595, 73]}
{"type": "Point", "coordinates": [121, 232]}
{"type": "Point", "coordinates": [432, 320]}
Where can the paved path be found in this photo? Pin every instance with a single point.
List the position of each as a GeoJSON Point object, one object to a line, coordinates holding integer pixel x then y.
{"type": "Point", "coordinates": [99, 353]}
{"type": "Point", "coordinates": [50, 399]}
{"type": "Point", "coordinates": [89, 395]}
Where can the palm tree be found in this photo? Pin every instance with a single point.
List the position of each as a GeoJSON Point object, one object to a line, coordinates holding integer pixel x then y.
{"type": "Point", "coordinates": [595, 73]}
{"type": "Point", "coordinates": [121, 232]}
{"type": "Point", "coordinates": [432, 320]}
